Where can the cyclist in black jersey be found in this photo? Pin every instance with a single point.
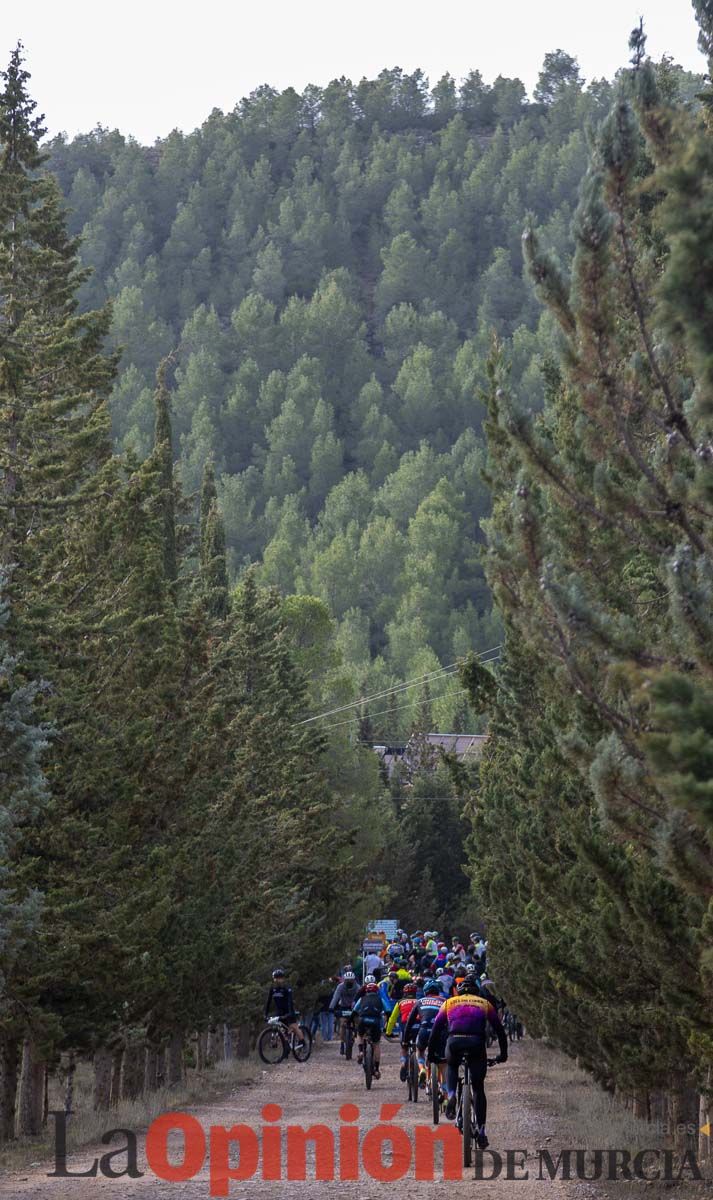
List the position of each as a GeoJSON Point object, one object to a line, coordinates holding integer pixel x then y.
{"type": "Point", "coordinates": [280, 995]}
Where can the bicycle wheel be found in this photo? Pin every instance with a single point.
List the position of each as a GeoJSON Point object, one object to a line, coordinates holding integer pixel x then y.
{"type": "Point", "coordinates": [435, 1094]}
{"type": "Point", "coordinates": [272, 1046]}
{"type": "Point", "coordinates": [302, 1052]}
{"type": "Point", "coordinates": [467, 1124]}
{"type": "Point", "coordinates": [368, 1064]}
{"type": "Point", "coordinates": [348, 1042]}
{"type": "Point", "coordinates": [413, 1067]}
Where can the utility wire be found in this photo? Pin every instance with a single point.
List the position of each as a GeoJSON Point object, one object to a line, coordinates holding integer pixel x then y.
{"type": "Point", "coordinates": [431, 677]}
{"type": "Point", "coordinates": [399, 687]}
{"type": "Point", "coordinates": [410, 704]}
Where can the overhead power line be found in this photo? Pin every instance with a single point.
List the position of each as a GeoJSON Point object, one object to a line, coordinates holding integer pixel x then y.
{"type": "Point", "coordinates": [410, 704]}
{"type": "Point", "coordinates": [429, 677]}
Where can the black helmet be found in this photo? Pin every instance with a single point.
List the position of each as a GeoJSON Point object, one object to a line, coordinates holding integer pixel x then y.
{"type": "Point", "coordinates": [467, 986]}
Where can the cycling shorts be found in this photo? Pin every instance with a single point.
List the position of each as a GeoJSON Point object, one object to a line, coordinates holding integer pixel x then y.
{"type": "Point", "coordinates": [460, 1046]}
{"type": "Point", "coordinates": [289, 1018]}
{"type": "Point", "coordinates": [424, 1034]}
{"type": "Point", "coordinates": [370, 1026]}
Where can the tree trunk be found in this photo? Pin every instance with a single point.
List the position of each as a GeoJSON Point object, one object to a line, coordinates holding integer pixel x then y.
{"type": "Point", "coordinates": [32, 1090]}
{"type": "Point", "coordinates": [102, 1078]}
{"type": "Point", "coordinates": [161, 1067]}
{"type": "Point", "coordinates": [705, 1120]}
{"type": "Point", "coordinates": [69, 1084]}
{"type": "Point", "coordinates": [175, 1059]}
{"type": "Point", "coordinates": [642, 1107]}
{"type": "Point", "coordinates": [227, 1043]}
{"type": "Point", "coordinates": [683, 1104]}
{"type": "Point", "coordinates": [132, 1082]}
{"type": "Point", "coordinates": [242, 1041]}
{"type": "Point", "coordinates": [211, 1055]}
{"type": "Point", "coordinates": [117, 1059]}
{"type": "Point", "coordinates": [151, 1071]}
{"type": "Point", "coordinates": [9, 1061]}
{"type": "Point", "coordinates": [201, 1039]}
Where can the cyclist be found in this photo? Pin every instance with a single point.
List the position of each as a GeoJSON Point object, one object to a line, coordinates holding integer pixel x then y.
{"type": "Point", "coordinates": [463, 1021]}
{"type": "Point", "coordinates": [401, 1012]}
{"type": "Point", "coordinates": [445, 978]}
{"type": "Point", "coordinates": [343, 1000]}
{"type": "Point", "coordinates": [280, 994]}
{"type": "Point", "coordinates": [422, 1015]}
{"type": "Point", "coordinates": [368, 1012]}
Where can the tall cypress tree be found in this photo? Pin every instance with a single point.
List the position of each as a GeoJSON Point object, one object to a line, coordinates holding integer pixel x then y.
{"type": "Point", "coordinates": [600, 556]}
{"type": "Point", "coordinates": [23, 788]}
{"type": "Point", "coordinates": [163, 449]}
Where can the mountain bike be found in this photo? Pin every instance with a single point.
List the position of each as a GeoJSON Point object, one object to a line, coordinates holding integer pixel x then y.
{"type": "Point", "coordinates": [465, 1109]}
{"type": "Point", "coordinates": [434, 1092]}
{"type": "Point", "coordinates": [368, 1060]}
{"type": "Point", "coordinates": [412, 1073]}
{"type": "Point", "coordinates": [347, 1032]}
{"type": "Point", "coordinates": [276, 1041]}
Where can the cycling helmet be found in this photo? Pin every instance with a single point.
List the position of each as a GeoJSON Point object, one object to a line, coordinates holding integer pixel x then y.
{"type": "Point", "coordinates": [470, 969]}
{"type": "Point", "coordinates": [439, 972]}
{"type": "Point", "coordinates": [369, 979]}
{"type": "Point", "coordinates": [432, 988]}
{"type": "Point", "coordinates": [410, 989]}
{"type": "Point", "coordinates": [467, 986]}
{"type": "Point", "coordinates": [370, 987]}
{"type": "Point", "coordinates": [348, 976]}
{"type": "Point", "coordinates": [278, 973]}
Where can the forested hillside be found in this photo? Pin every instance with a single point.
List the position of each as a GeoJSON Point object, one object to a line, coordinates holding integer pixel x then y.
{"type": "Point", "coordinates": [327, 269]}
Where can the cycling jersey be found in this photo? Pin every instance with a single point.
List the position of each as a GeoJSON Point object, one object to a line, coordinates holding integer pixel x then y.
{"type": "Point", "coordinates": [284, 1003]}
{"type": "Point", "coordinates": [345, 995]}
{"type": "Point", "coordinates": [400, 1012]}
{"type": "Point", "coordinates": [423, 1013]}
{"type": "Point", "coordinates": [368, 1012]}
{"type": "Point", "coordinates": [468, 1016]}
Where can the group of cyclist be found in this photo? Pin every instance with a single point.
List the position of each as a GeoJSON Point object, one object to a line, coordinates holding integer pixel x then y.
{"type": "Point", "coordinates": [438, 1000]}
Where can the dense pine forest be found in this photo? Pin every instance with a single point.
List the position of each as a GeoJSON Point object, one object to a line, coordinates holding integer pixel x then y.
{"type": "Point", "coordinates": [326, 270]}
{"type": "Point", "coordinates": [338, 391]}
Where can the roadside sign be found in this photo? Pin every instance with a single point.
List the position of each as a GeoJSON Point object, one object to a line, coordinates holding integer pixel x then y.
{"type": "Point", "coordinates": [372, 946]}
{"type": "Point", "coordinates": [387, 927]}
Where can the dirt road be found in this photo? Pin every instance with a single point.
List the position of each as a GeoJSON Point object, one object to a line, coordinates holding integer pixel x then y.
{"type": "Point", "coordinates": [520, 1118]}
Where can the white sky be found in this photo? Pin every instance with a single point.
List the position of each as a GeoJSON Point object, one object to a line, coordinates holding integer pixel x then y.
{"type": "Point", "coordinates": [148, 67]}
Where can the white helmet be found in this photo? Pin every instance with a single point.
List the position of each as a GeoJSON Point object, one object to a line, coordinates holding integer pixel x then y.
{"type": "Point", "coordinates": [369, 979]}
{"type": "Point", "coordinates": [349, 975]}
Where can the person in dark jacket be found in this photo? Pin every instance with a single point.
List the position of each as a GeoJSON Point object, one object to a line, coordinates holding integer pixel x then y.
{"type": "Point", "coordinates": [280, 995]}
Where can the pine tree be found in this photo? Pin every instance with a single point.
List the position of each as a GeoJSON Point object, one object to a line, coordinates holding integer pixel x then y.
{"type": "Point", "coordinates": [23, 786]}
{"type": "Point", "coordinates": [164, 449]}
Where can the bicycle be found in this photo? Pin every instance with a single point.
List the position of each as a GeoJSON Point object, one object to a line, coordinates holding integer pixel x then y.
{"type": "Point", "coordinates": [368, 1060]}
{"type": "Point", "coordinates": [412, 1071]}
{"type": "Point", "coordinates": [276, 1041]}
{"type": "Point", "coordinates": [347, 1032]}
{"type": "Point", "coordinates": [465, 1109]}
{"type": "Point", "coordinates": [434, 1091]}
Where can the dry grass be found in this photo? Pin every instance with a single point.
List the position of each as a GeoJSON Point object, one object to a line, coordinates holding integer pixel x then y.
{"type": "Point", "coordinates": [592, 1119]}
{"type": "Point", "coordinates": [86, 1127]}
{"type": "Point", "coordinates": [596, 1119]}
